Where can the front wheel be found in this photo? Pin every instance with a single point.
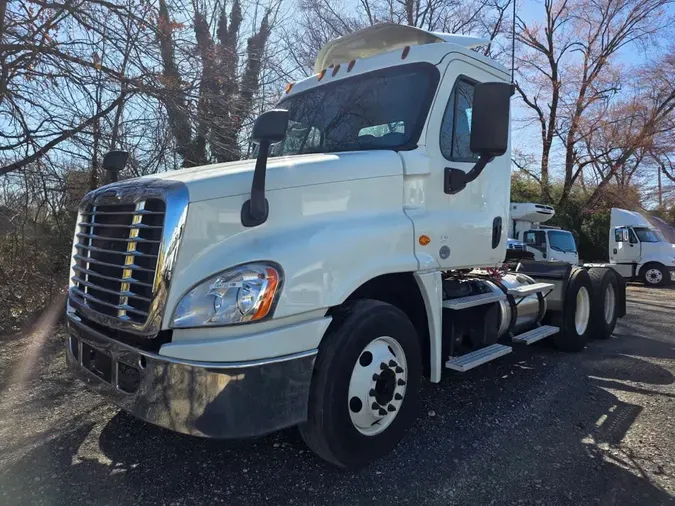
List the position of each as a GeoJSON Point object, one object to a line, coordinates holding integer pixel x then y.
{"type": "Point", "coordinates": [364, 390]}
{"type": "Point", "coordinates": [654, 275]}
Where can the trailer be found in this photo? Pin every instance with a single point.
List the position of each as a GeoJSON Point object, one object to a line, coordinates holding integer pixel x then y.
{"type": "Point", "coordinates": [316, 285]}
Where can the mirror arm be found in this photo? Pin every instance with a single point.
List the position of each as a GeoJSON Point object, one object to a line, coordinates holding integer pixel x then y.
{"type": "Point", "coordinates": [456, 180]}
{"type": "Point", "coordinates": [254, 211]}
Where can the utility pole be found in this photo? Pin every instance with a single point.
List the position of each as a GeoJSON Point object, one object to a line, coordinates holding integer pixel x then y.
{"type": "Point", "coordinates": [660, 189]}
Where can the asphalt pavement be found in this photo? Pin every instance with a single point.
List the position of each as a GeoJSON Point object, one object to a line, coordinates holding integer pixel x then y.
{"type": "Point", "coordinates": [535, 427]}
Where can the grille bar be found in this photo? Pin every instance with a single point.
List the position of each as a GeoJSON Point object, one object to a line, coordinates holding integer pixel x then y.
{"type": "Point", "coordinates": [113, 292]}
{"type": "Point", "coordinates": [107, 264]}
{"type": "Point", "coordinates": [108, 304]}
{"type": "Point", "coordinates": [120, 213]}
{"type": "Point", "coordinates": [110, 278]}
{"type": "Point", "coordinates": [132, 226]}
{"type": "Point", "coordinates": [132, 253]}
{"type": "Point", "coordinates": [121, 239]}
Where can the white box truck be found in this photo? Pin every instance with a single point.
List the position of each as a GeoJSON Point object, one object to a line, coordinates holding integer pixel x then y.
{"type": "Point", "coordinates": [316, 285]}
{"type": "Point", "coordinates": [546, 243]}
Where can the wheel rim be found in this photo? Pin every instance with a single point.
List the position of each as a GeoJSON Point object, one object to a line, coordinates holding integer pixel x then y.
{"type": "Point", "coordinates": [610, 301]}
{"type": "Point", "coordinates": [583, 310]}
{"type": "Point", "coordinates": [654, 276]}
{"type": "Point", "coordinates": [377, 386]}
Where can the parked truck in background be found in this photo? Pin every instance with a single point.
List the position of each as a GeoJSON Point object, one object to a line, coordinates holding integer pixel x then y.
{"type": "Point", "coordinates": [316, 285]}
{"type": "Point", "coordinates": [546, 243]}
{"type": "Point", "coordinates": [637, 251]}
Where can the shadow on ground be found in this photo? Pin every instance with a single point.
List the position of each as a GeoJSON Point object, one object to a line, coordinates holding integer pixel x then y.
{"type": "Point", "coordinates": [539, 427]}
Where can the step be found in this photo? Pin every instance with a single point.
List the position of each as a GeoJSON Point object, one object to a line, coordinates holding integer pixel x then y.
{"type": "Point", "coordinates": [473, 300]}
{"type": "Point", "coordinates": [478, 357]}
{"type": "Point", "coordinates": [525, 290]}
{"type": "Point", "coordinates": [534, 335]}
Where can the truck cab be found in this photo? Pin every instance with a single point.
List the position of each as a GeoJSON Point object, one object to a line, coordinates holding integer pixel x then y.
{"type": "Point", "coordinates": [637, 250]}
{"type": "Point", "coordinates": [546, 243]}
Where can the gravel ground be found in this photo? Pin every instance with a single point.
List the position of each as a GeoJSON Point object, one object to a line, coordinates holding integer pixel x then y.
{"type": "Point", "coordinates": [535, 427]}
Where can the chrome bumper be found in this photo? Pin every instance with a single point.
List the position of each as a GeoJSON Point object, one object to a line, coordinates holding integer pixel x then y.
{"type": "Point", "coordinates": [222, 400]}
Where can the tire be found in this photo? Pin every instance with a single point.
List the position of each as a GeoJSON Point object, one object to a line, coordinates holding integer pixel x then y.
{"type": "Point", "coordinates": [331, 430]}
{"type": "Point", "coordinates": [604, 302]}
{"type": "Point", "coordinates": [654, 275]}
{"type": "Point", "coordinates": [575, 319]}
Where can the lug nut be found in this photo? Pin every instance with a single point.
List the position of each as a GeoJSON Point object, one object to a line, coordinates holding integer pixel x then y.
{"type": "Point", "coordinates": [400, 382]}
{"type": "Point", "coordinates": [375, 405]}
{"type": "Point", "coordinates": [372, 392]}
{"type": "Point", "coordinates": [376, 377]}
{"type": "Point", "coordinates": [383, 366]}
{"type": "Point", "coordinates": [392, 363]}
{"type": "Point", "coordinates": [382, 412]}
{"type": "Point", "coordinates": [391, 408]}
{"type": "Point", "coordinates": [399, 370]}
{"type": "Point", "coordinates": [398, 397]}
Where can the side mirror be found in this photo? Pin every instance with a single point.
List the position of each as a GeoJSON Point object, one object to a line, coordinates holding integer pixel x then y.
{"type": "Point", "coordinates": [490, 119]}
{"type": "Point", "coordinates": [489, 132]}
{"type": "Point", "coordinates": [270, 126]}
{"type": "Point", "coordinates": [114, 162]}
{"type": "Point", "coordinates": [625, 235]}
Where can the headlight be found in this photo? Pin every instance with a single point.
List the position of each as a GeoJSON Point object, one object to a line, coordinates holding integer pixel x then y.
{"type": "Point", "coordinates": [242, 294]}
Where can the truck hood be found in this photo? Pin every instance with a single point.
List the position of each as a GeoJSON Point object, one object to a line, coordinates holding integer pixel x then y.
{"type": "Point", "coordinates": [234, 178]}
{"type": "Point", "coordinates": [664, 249]}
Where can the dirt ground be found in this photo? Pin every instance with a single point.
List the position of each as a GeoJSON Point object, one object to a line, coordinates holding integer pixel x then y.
{"type": "Point", "coordinates": [536, 427]}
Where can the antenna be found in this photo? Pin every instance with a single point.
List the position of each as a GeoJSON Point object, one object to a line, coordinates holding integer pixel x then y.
{"type": "Point", "coordinates": [513, 45]}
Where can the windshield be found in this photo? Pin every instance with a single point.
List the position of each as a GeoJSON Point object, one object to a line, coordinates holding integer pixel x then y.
{"type": "Point", "coordinates": [646, 234]}
{"type": "Point", "coordinates": [385, 109]}
{"type": "Point", "coordinates": [562, 241]}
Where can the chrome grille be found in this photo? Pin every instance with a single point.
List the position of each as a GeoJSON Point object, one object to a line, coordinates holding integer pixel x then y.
{"type": "Point", "coordinates": [117, 248]}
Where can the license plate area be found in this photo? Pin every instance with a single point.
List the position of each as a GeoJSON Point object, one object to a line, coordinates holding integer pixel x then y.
{"type": "Point", "coordinates": [97, 362]}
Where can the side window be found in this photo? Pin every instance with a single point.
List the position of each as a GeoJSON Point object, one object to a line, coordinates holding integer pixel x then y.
{"type": "Point", "coordinates": [535, 240]}
{"type": "Point", "coordinates": [456, 125]}
{"type": "Point", "coordinates": [633, 237]}
{"type": "Point", "coordinates": [618, 234]}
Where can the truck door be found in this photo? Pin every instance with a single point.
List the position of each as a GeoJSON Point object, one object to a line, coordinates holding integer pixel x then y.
{"type": "Point", "coordinates": [467, 228]}
{"type": "Point", "coordinates": [625, 248]}
{"type": "Point", "coordinates": [535, 241]}
{"type": "Point", "coordinates": [562, 247]}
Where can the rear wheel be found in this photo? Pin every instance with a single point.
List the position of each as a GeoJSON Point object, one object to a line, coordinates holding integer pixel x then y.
{"type": "Point", "coordinates": [604, 302]}
{"type": "Point", "coordinates": [364, 390]}
{"type": "Point", "coordinates": [575, 319]}
{"type": "Point", "coordinates": [654, 275]}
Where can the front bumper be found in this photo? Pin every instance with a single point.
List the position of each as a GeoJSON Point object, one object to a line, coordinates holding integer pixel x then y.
{"type": "Point", "coordinates": [222, 400]}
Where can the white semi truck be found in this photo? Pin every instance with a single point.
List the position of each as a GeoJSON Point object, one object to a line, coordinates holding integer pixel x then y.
{"type": "Point", "coordinates": [639, 251]}
{"type": "Point", "coordinates": [317, 285]}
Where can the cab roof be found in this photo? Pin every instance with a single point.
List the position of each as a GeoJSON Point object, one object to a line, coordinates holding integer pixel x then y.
{"type": "Point", "coordinates": [383, 38]}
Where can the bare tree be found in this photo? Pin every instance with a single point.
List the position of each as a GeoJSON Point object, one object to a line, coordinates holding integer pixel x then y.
{"type": "Point", "coordinates": [568, 71]}
{"type": "Point", "coordinates": [207, 111]}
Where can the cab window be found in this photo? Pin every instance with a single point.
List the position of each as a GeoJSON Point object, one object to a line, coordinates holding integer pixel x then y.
{"type": "Point", "coordinates": [456, 125]}
{"type": "Point", "coordinates": [535, 239]}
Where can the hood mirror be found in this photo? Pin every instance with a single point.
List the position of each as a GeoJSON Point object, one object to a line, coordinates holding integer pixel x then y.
{"type": "Point", "coordinates": [270, 127]}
